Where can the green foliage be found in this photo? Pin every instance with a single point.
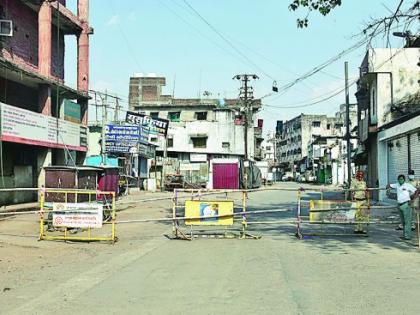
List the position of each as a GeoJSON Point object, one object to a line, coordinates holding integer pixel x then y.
{"type": "Point", "coordinates": [324, 7]}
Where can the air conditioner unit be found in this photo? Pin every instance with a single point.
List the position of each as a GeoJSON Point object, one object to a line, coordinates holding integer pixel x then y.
{"type": "Point", "coordinates": [6, 28]}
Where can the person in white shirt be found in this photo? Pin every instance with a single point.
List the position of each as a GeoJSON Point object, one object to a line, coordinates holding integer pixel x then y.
{"type": "Point", "coordinates": [405, 194]}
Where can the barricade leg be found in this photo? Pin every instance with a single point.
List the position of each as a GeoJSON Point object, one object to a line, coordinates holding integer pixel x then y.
{"type": "Point", "coordinates": [298, 216]}
{"type": "Point", "coordinates": [418, 226]}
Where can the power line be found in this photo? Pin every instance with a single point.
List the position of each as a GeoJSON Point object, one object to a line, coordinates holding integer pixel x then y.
{"type": "Point", "coordinates": [199, 32]}
{"type": "Point", "coordinates": [313, 103]}
{"type": "Point", "coordinates": [129, 47]}
{"type": "Point", "coordinates": [227, 41]}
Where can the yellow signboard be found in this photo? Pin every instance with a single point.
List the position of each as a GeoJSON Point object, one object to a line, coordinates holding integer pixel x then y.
{"type": "Point", "coordinates": [209, 212]}
{"type": "Point", "coordinates": [333, 211]}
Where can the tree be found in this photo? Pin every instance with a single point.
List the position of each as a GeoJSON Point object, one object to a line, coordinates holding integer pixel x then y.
{"type": "Point", "coordinates": [324, 7]}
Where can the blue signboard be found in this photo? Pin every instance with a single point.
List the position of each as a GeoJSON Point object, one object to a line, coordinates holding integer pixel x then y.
{"type": "Point", "coordinates": [122, 139]}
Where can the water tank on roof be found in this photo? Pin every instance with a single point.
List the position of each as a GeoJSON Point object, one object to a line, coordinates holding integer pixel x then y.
{"type": "Point", "coordinates": [138, 75]}
{"type": "Point", "coordinates": [152, 75]}
{"type": "Point", "coordinates": [221, 102]}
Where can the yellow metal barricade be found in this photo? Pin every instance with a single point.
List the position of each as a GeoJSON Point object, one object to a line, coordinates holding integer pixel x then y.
{"type": "Point", "coordinates": [209, 213]}
{"type": "Point", "coordinates": [55, 216]}
{"type": "Point", "coordinates": [338, 213]}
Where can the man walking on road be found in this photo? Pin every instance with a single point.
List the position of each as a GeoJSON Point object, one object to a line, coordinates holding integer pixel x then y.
{"type": "Point", "coordinates": [405, 193]}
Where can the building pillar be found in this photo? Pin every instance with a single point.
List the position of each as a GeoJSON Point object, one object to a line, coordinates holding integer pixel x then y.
{"type": "Point", "coordinates": [44, 39]}
{"type": "Point", "coordinates": [83, 111]}
{"type": "Point", "coordinates": [44, 99]}
{"type": "Point", "coordinates": [83, 47]}
{"type": "Point", "coordinates": [44, 158]}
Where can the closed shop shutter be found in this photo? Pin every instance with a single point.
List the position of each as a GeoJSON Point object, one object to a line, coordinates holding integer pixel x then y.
{"type": "Point", "coordinates": [397, 158]}
{"type": "Point", "coordinates": [415, 153]}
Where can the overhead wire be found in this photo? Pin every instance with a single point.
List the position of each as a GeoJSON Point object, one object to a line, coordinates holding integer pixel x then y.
{"type": "Point", "coordinates": [199, 32]}
{"type": "Point", "coordinates": [312, 103]}
{"type": "Point", "coordinates": [226, 40]}
{"type": "Point", "coordinates": [334, 94]}
{"type": "Point", "coordinates": [127, 42]}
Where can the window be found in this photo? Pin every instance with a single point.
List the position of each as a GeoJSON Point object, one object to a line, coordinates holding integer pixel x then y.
{"type": "Point", "coordinates": [170, 143]}
{"type": "Point", "coordinates": [268, 148]}
{"type": "Point", "coordinates": [154, 114]}
{"type": "Point", "coordinates": [225, 145]}
{"type": "Point", "coordinates": [201, 115]}
{"type": "Point", "coordinates": [338, 126]}
{"type": "Point", "coordinates": [316, 124]}
{"type": "Point", "coordinates": [328, 126]}
{"type": "Point", "coordinates": [153, 139]}
{"type": "Point", "coordinates": [373, 102]}
{"type": "Point", "coordinates": [6, 28]}
{"type": "Point", "coordinates": [174, 116]}
{"type": "Point", "coordinates": [199, 142]}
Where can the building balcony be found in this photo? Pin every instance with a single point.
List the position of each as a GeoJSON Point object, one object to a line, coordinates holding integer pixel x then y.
{"type": "Point", "coordinates": [69, 22]}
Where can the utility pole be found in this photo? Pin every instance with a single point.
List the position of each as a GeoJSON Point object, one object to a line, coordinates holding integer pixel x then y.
{"type": "Point", "coordinates": [117, 109]}
{"type": "Point", "coordinates": [104, 118]}
{"type": "Point", "coordinates": [246, 94]}
{"type": "Point", "coordinates": [348, 136]}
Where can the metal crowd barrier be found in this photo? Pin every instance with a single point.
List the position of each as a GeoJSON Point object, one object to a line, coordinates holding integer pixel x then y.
{"type": "Point", "coordinates": [198, 224]}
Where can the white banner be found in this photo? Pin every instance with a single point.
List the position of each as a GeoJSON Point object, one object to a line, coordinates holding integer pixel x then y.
{"type": "Point", "coordinates": [77, 215]}
{"type": "Point", "coordinates": [198, 157]}
{"type": "Point", "coordinates": [24, 126]}
{"type": "Point", "coordinates": [189, 166]}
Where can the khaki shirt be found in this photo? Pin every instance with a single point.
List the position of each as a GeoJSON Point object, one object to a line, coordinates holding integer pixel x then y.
{"type": "Point", "coordinates": [416, 184]}
{"type": "Point", "coordinates": [360, 187]}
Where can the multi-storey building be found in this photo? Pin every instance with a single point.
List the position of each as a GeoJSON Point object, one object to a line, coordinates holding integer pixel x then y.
{"type": "Point", "coordinates": [388, 113]}
{"type": "Point", "coordinates": [298, 133]}
{"type": "Point", "coordinates": [43, 121]}
{"type": "Point", "coordinates": [200, 130]}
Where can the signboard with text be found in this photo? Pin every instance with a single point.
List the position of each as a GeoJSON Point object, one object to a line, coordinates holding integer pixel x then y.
{"type": "Point", "coordinates": [121, 139]}
{"type": "Point", "coordinates": [77, 215]}
{"type": "Point", "coordinates": [157, 126]}
{"type": "Point", "coordinates": [24, 126]}
{"type": "Point", "coordinates": [208, 212]}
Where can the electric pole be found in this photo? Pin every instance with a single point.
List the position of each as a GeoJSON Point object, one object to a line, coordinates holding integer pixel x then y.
{"type": "Point", "coordinates": [246, 95]}
{"type": "Point", "coordinates": [348, 136]}
{"type": "Point", "coordinates": [104, 119]}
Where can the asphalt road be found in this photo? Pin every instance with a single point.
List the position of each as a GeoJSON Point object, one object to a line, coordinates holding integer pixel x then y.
{"type": "Point", "coordinates": [147, 273]}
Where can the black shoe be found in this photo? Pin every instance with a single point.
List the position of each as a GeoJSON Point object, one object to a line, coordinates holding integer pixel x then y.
{"type": "Point", "coordinates": [405, 238]}
{"type": "Point", "coordinates": [359, 232]}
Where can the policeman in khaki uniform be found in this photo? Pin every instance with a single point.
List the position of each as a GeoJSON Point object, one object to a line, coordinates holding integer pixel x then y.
{"type": "Point", "coordinates": [359, 195]}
